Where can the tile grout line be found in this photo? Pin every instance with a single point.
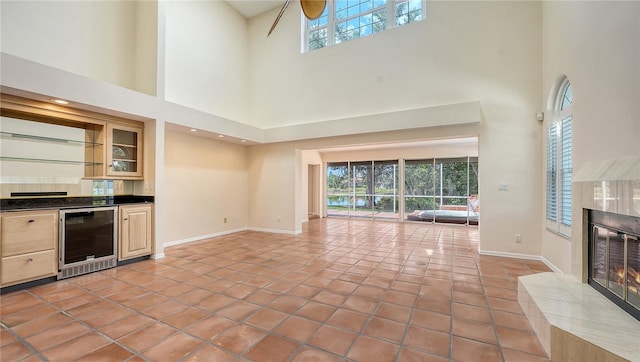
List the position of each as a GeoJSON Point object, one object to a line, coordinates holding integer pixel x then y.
{"type": "Point", "coordinates": [343, 248]}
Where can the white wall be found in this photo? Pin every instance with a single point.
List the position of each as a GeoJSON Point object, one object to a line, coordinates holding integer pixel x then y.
{"type": "Point", "coordinates": [438, 149]}
{"type": "Point", "coordinates": [597, 46]}
{"type": "Point", "coordinates": [464, 51]}
{"type": "Point", "coordinates": [205, 181]}
{"type": "Point", "coordinates": [206, 54]}
{"type": "Point", "coordinates": [485, 51]}
{"type": "Point", "coordinates": [96, 39]}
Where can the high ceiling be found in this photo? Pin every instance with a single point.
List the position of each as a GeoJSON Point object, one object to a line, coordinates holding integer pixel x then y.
{"type": "Point", "coordinates": [251, 8]}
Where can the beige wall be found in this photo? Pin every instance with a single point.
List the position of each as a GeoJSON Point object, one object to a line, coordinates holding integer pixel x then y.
{"type": "Point", "coordinates": [272, 188]}
{"type": "Point", "coordinates": [464, 51]}
{"type": "Point", "coordinates": [205, 181]}
{"type": "Point", "coordinates": [206, 54]}
{"type": "Point", "coordinates": [96, 39]}
{"type": "Point", "coordinates": [597, 46]}
{"type": "Point", "coordinates": [486, 51]}
{"type": "Point", "coordinates": [439, 149]}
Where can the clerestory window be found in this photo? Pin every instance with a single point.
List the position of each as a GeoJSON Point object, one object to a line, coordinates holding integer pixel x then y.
{"type": "Point", "coordinates": [343, 20]}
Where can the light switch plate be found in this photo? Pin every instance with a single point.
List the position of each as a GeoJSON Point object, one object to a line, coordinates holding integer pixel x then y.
{"type": "Point", "coordinates": [503, 186]}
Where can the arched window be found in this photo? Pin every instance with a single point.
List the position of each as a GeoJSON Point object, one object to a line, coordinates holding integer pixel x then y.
{"type": "Point", "coordinates": [559, 161]}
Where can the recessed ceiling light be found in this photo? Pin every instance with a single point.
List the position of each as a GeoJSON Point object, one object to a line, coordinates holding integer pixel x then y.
{"type": "Point", "coordinates": [221, 135]}
{"type": "Point", "coordinates": [193, 130]}
{"type": "Point", "coordinates": [60, 101]}
{"type": "Point", "coordinates": [243, 140]}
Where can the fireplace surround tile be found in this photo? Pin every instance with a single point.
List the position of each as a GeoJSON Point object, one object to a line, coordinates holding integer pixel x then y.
{"type": "Point", "coordinates": [551, 299]}
{"type": "Point", "coordinates": [617, 196]}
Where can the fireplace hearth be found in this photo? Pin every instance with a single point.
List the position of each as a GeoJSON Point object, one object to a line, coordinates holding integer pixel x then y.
{"type": "Point", "coordinates": [614, 258]}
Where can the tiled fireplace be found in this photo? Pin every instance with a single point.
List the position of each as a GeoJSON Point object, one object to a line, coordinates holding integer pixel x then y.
{"type": "Point", "coordinates": [592, 314]}
{"type": "Point", "coordinates": [614, 258]}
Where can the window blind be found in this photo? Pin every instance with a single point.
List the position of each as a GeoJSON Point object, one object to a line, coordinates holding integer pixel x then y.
{"type": "Point", "coordinates": [566, 171]}
{"type": "Point", "coordinates": [552, 166]}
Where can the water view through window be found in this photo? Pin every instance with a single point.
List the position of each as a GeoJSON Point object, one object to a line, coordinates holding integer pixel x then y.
{"type": "Point", "coordinates": [434, 190]}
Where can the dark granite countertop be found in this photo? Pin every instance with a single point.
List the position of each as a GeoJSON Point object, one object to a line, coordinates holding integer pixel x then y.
{"type": "Point", "coordinates": [63, 202]}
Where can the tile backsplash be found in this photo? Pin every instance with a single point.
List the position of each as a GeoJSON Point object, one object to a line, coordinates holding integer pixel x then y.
{"type": "Point", "coordinates": [71, 185]}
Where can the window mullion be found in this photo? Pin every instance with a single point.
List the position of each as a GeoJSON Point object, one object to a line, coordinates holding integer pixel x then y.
{"type": "Point", "coordinates": [331, 24]}
{"type": "Point", "coordinates": [391, 14]}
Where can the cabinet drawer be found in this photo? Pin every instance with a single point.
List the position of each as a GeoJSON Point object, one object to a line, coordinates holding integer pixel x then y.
{"type": "Point", "coordinates": [27, 232]}
{"type": "Point", "coordinates": [22, 268]}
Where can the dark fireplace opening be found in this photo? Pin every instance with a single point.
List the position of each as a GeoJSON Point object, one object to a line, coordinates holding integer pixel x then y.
{"type": "Point", "coordinates": [614, 258]}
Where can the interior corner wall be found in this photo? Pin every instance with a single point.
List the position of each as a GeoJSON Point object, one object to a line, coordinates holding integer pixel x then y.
{"type": "Point", "coordinates": [597, 46]}
{"type": "Point", "coordinates": [272, 187]}
{"type": "Point", "coordinates": [146, 47]}
{"type": "Point", "coordinates": [206, 55]}
{"type": "Point", "coordinates": [90, 38]}
{"type": "Point", "coordinates": [205, 182]}
{"type": "Point", "coordinates": [308, 157]}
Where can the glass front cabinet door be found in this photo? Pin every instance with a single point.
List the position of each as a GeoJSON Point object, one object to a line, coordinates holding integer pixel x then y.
{"type": "Point", "coordinates": [124, 158]}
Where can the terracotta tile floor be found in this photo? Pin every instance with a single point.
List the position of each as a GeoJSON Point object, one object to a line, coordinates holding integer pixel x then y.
{"type": "Point", "coordinates": [344, 290]}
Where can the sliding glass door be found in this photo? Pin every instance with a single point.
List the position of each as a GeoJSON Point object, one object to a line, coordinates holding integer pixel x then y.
{"type": "Point", "coordinates": [420, 187]}
{"type": "Point", "coordinates": [339, 198]}
{"type": "Point", "coordinates": [442, 190]}
{"type": "Point", "coordinates": [363, 189]}
{"type": "Point", "coordinates": [386, 195]}
{"type": "Point", "coordinates": [435, 190]}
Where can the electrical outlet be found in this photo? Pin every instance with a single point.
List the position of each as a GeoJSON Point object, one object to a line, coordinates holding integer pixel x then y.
{"type": "Point", "coordinates": [518, 238]}
{"type": "Point", "coordinates": [503, 186]}
{"type": "Point", "coordinates": [225, 220]}
{"type": "Point", "coordinates": [278, 219]}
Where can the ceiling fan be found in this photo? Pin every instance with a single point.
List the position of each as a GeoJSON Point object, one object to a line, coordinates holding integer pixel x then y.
{"type": "Point", "coordinates": [312, 9]}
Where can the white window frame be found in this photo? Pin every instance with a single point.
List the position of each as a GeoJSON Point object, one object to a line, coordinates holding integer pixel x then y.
{"type": "Point", "coordinates": [331, 22]}
{"type": "Point", "coordinates": [559, 137]}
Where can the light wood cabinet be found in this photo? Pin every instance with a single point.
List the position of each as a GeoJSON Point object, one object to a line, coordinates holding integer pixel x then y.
{"type": "Point", "coordinates": [124, 151]}
{"type": "Point", "coordinates": [136, 235]}
{"type": "Point", "coordinates": [28, 246]}
{"type": "Point", "coordinates": [108, 147]}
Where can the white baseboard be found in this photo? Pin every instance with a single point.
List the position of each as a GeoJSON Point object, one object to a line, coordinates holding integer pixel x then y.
{"type": "Point", "coordinates": [551, 265]}
{"type": "Point", "coordinates": [202, 237]}
{"type": "Point", "coordinates": [157, 256]}
{"type": "Point", "coordinates": [506, 254]}
{"type": "Point", "coordinates": [276, 231]}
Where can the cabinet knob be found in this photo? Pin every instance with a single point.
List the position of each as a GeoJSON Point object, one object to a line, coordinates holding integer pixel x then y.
{"type": "Point", "coordinates": [32, 220]}
{"type": "Point", "coordinates": [29, 260]}
{"type": "Point", "coordinates": [126, 218]}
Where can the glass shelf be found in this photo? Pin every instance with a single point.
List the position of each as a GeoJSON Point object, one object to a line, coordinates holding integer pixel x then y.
{"type": "Point", "coordinates": [28, 137]}
{"type": "Point", "coordinates": [42, 160]}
